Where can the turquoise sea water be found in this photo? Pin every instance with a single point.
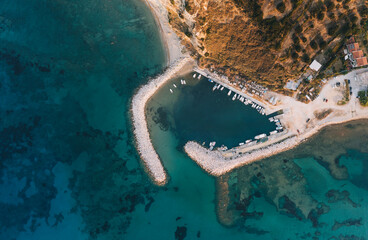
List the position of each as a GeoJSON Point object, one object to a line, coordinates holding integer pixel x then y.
{"type": "Point", "coordinates": [68, 167]}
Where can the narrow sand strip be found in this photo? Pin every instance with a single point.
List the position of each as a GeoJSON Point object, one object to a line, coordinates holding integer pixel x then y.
{"type": "Point", "coordinates": [145, 148]}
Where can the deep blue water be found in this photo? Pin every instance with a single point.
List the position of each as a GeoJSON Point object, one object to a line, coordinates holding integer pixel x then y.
{"type": "Point", "coordinates": [68, 167]}
{"type": "Point", "coordinates": [204, 115]}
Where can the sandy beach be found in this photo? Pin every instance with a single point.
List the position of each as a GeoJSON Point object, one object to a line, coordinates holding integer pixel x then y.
{"type": "Point", "coordinates": [173, 47]}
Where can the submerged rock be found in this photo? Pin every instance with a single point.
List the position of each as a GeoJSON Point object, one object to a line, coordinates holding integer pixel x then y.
{"type": "Point", "coordinates": [180, 233]}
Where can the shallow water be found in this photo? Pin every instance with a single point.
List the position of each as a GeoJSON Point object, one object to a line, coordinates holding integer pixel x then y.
{"type": "Point", "coordinates": [68, 167]}
{"type": "Point", "coordinates": [318, 189]}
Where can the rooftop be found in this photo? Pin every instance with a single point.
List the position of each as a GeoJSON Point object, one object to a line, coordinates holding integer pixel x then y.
{"type": "Point", "coordinates": [358, 54]}
{"type": "Point", "coordinates": [362, 61]}
{"type": "Point", "coordinates": [315, 65]}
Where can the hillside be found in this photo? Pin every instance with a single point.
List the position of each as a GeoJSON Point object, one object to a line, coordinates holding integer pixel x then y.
{"type": "Point", "coordinates": [266, 41]}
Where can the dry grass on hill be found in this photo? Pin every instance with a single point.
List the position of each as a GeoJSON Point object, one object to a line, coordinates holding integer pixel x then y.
{"type": "Point", "coordinates": [267, 41]}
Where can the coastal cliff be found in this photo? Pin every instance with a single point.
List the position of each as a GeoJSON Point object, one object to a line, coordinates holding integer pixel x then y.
{"type": "Point", "coordinates": [269, 42]}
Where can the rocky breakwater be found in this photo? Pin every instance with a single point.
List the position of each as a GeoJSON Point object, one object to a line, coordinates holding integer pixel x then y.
{"type": "Point", "coordinates": [149, 156]}
{"type": "Point", "coordinates": [216, 164]}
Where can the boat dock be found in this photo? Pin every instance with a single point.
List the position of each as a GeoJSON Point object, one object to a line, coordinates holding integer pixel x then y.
{"type": "Point", "coordinates": [225, 83]}
{"type": "Point", "coordinates": [247, 99]}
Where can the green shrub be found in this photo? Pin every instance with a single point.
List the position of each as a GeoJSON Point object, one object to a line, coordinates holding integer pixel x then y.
{"type": "Point", "coordinates": [294, 55]}
{"type": "Point", "coordinates": [363, 10]}
{"type": "Point", "coordinates": [297, 47]}
{"type": "Point", "coordinates": [313, 45]}
{"type": "Point", "coordinates": [363, 99]}
{"type": "Point", "coordinates": [329, 5]}
{"type": "Point", "coordinates": [320, 16]}
{"type": "Point", "coordinates": [298, 28]}
{"type": "Point", "coordinates": [322, 44]}
{"type": "Point", "coordinates": [187, 6]}
{"type": "Point", "coordinates": [281, 7]}
{"type": "Point", "coordinates": [305, 58]}
{"type": "Point", "coordinates": [331, 30]}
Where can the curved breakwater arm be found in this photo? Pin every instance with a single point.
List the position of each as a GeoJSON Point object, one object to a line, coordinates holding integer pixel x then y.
{"type": "Point", "coordinates": [148, 154]}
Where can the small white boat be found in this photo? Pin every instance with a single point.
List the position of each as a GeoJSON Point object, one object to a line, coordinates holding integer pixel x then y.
{"type": "Point", "coordinates": [260, 136]}
{"type": "Point", "coordinates": [184, 82]}
{"type": "Point", "coordinates": [194, 75]}
{"type": "Point", "coordinates": [174, 85]}
{"type": "Point", "coordinates": [248, 141]}
{"type": "Point", "coordinates": [229, 93]}
{"type": "Point", "coordinates": [241, 144]}
{"type": "Point", "coordinates": [171, 90]}
{"type": "Point", "coordinates": [222, 88]}
{"type": "Point", "coordinates": [214, 87]}
{"type": "Point", "coordinates": [234, 96]}
{"type": "Point", "coordinates": [199, 76]}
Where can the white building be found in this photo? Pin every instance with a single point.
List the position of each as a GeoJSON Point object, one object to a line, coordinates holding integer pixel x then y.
{"type": "Point", "coordinates": [315, 65]}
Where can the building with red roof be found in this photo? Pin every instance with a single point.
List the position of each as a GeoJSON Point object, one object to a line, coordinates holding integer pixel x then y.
{"type": "Point", "coordinates": [354, 54]}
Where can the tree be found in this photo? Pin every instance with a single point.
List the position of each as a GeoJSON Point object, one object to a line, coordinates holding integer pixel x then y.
{"type": "Point", "coordinates": [298, 28]}
{"type": "Point", "coordinates": [363, 97]}
{"type": "Point", "coordinates": [294, 55]}
{"type": "Point", "coordinates": [281, 7]}
{"type": "Point", "coordinates": [313, 44]}
{"type": "Point", "coordinates": [320, 16]}
{"type": "Point", "coordinates": [305, 58]}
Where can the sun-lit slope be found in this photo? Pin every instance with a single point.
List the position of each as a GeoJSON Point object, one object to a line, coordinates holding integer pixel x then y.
{"type": "Point", "coordinates": [262, 40]}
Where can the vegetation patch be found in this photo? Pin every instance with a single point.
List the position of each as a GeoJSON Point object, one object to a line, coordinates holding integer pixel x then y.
{"type": "Point", "coordinates": [363, 98]}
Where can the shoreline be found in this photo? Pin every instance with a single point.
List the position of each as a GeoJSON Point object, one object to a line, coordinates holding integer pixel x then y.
{"type": "Point", "coordinates": [215, 164]}
{"type": "Point", "coordinates": [300, 121]}
{"type": "Point", "coordinates": [170, 41]}
{"type": "Point", "coordinates": [145, 148]}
